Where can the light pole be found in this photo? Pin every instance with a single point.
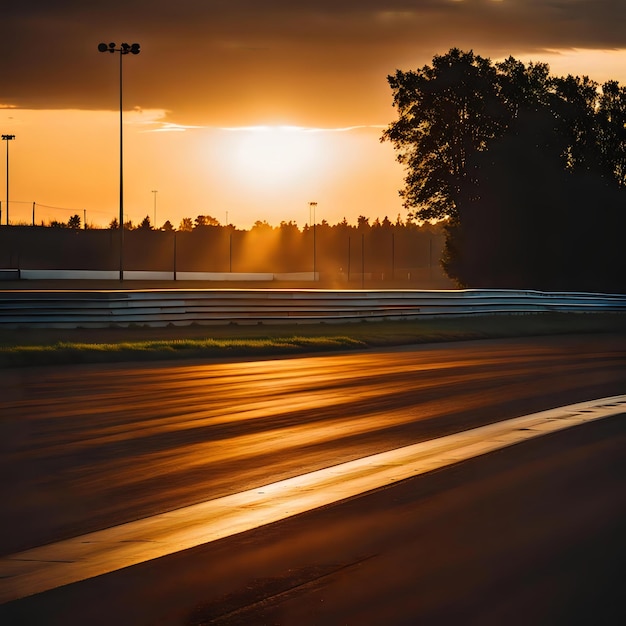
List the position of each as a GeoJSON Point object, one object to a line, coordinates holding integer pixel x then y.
{"type": "Point", "coordinates": [7, 138]}
{"type": "Point", "coordinates": [154, 191]}
{"type": "Point", "coordinates": [124, 48]}
{"type": "Point", "coordinates": [312, 207]}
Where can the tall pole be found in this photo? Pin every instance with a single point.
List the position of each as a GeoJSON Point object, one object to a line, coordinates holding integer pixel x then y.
{"type": "Point", "coordinates": [312, 206]}
{"type": "Point", "coordinates": [123, 49]}
{"type": "Point", "coordinates": [7, 138]}
{"type": "Point", "coordinates": [362, 261]}
{"type": "Point", "coordinates": [174, 255]}
{"type": "Point", "coordinates": [121, 178]}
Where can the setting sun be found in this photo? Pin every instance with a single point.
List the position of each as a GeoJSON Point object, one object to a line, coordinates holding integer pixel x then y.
{"type": "Point", "coordinates": [270, 155]}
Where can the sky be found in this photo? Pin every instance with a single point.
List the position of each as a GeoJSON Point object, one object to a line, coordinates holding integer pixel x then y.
{"type": "Point", "coordinates": [246, 110]}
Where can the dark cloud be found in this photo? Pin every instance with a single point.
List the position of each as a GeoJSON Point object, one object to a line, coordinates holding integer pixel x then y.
{"type": "Point", "coordinates": [273, 56]}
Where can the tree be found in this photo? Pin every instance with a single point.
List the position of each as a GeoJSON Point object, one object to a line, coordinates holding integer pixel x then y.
{"type": "Point", "coordinates": [447, 113]}
{"type": "Point", "coordinates": [261, 226]}
{"type": "Point", "coordinates": [74, 222]}
{"type": "Point", "coordinates": [114, 224]}
{"type": "Point", "coordinates": [516, 162]}
{"type": "Point", "coordinates": [205, 220]}
{"type": "Point", "coordinates": [574, 108]}
{"type": "Point", "coordinates": [145, 224]}
{"type": "Point", "coordinates": [611, 115]}
{"type": "Point", "coordinates": [186, 225]}
{"type": "Point", "coordinates": [167, 226]}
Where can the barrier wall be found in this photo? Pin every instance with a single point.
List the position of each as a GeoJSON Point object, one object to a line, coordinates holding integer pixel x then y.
{"type": "Point", "coordinates": [143, 275]}
{"type": "Point", "coordinates": [162, 307]}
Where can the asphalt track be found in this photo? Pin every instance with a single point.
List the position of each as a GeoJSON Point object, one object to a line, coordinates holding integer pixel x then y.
{"type": "Point", "coordinates": [65, 562]}
{"type": "Point", "coordinates": [289, 405]}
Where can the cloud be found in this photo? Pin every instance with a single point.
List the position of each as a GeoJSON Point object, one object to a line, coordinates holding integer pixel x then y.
{"type": "Point", "coordinates": [277, 59]}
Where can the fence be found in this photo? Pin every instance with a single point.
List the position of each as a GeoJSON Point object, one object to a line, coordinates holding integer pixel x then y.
{"type": "Point", "coordinates": [93, 309]}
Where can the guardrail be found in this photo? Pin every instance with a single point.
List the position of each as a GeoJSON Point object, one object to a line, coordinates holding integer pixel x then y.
{"type": "Point", "coordinates": [162, 307]}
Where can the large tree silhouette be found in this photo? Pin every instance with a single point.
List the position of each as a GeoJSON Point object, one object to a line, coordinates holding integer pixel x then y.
{"type": "Point", "coordinates": [519, 164]}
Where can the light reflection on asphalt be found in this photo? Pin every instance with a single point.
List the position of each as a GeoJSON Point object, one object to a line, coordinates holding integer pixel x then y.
{"type": "Point", "coordinates": [40, 569]}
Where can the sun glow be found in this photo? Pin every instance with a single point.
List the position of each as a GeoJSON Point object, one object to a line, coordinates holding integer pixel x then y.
{"type": "Point", "coordinates": [272, 155]}
{"type": "Point", "coordinates": [66, 162]}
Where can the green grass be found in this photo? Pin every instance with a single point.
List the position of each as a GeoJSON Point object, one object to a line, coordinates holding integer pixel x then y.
{"type": "Point", "coordinates": [26, 347]}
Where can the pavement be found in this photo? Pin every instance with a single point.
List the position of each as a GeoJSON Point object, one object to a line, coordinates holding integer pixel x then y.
{"type": "Point", "coordinates": [50, 566]}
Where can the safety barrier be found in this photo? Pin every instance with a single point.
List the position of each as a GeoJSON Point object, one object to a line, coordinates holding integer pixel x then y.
{"type": "Point", "coordinates": [162, 307]}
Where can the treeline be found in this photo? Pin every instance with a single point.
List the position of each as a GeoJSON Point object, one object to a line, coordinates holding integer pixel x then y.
{"type": "Point", "coordinates": [528, 171]}
{"type": "Point", "coordinates": [383, 250]}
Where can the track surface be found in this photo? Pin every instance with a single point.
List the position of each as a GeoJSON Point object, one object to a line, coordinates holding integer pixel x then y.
{"type": "Point", "coordinates": [86, 448]}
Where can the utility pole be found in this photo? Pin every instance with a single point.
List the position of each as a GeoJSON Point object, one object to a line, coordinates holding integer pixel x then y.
{"type": "Point", "coordinates": [8, 138]}
{"type": "Point", "coordinates": [312, 207]}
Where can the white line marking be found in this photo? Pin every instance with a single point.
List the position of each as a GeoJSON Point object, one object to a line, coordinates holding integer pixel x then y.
{"type": "Point", "coordinates": [47, 567]}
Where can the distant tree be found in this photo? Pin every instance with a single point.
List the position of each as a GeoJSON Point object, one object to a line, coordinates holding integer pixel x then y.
{"type": "Point", "coordinates": [145, 224]}
{"type": "Point", "coordinates": [290, 226]}
{"type": "Point", "coordinates": [261, 225]}
{"type": "Point", "coordinates": [363, 222]}
{"type": "Point", "coordinates": [205, 220]}
{"type": "Point", "coordinates": [57, 224]}
{"type": "Point", "coordinates": [128, 225]}
{"type": "Point", "coordinates": [186, 225]}
{"type": "Point", "coordinates": [74, 222]}
{"type": "Point", "coordinates": [167, 226]}
{"type": "Point", "coordinates": [114, 224]}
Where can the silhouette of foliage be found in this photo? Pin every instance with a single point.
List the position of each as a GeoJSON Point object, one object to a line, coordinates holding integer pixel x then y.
{"type": "Point", "coordinates": [518, 163]}
{"type": "Point", "coordinates": [186, 225]}
{"type": "Point", "coordinates": [74, 222]}
{"type": "Point", "coordinates": [205, 220]}
{"type": "Point", "coordinates": [145, 224]}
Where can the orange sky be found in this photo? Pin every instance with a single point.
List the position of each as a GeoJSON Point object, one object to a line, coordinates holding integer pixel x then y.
{"type": "Point", "coordinates": [247, 109]}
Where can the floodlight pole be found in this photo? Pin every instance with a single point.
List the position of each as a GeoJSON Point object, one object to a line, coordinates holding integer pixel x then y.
{"type": "Point", "coordinates": [7, 138]}
{"type": "Point", "coordinates": [123, 49]}
{"type": "Point", "coordinates": [312, 207]}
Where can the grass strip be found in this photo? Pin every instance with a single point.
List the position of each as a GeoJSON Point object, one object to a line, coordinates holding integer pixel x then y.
{"type": "Point", "coordinates": [26, 347]}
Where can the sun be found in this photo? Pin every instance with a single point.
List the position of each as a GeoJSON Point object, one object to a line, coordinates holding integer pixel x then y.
{"type": "Point", "coordinates": [273, 155]}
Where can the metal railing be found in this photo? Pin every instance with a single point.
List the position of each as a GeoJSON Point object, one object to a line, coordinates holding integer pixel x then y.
{"type": "Point", "coordinates": [161, 307]}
